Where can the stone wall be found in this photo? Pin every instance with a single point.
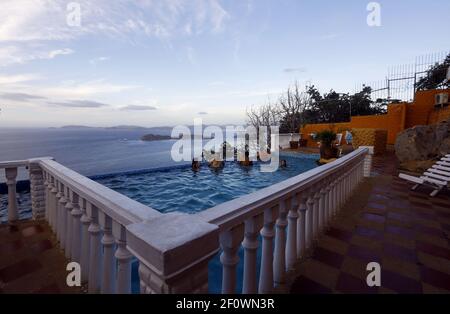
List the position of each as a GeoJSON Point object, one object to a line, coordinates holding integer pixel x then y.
{"type": "Point", "coordinates": [370, 137]}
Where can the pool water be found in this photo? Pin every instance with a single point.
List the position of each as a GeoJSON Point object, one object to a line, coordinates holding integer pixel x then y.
{"type": "Point", "coordinates": [181, 189]}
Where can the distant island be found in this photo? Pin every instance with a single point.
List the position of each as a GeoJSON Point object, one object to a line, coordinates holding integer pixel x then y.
{"type": "Point", "coordinates": [157, 137]}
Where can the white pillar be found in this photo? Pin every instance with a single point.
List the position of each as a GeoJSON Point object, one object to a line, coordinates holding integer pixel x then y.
{"type": "Point", "coordinates": [291, 249]}
{"type": "Point", "coordinates": [309, 219]}
{"type": "Point", "coordinates": [46, 195]}
{"type": "Point", "coordinates": [11, 175]}
{"type": "Point", "coordinates": [68, 231]}
{"type": "Point", "coordinates": [76, 227]}
{"type": "Point", "coordinates": [301, 226]}
{"type": "Point", "coordinates": [322, 206]}
{"type": "Point", "coordinates": [267, 233]}
{"type": "Point", "coordinates": [108, 272]}
{"type": "Point", "coordinates": [250, 245]}
{"type": "Point", "coordinates": [62, 214]}
{"type": "Point", "coordinates": [85, 240]}
{"type": "Point", "coordinates": [279, 265]}
{"type": "Point", "coordinates": [54, 205]}
{"type": "Point", "coordinates": [95, 252]}
{"type": "Point", "coordinates": [230, 242]}
{"type": "Point", "coordinates": [316, 213]}
{"type": "Point", "coordinates": [123, 257]}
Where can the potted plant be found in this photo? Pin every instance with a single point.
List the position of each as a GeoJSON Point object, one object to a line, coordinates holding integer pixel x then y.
{"type": "Point", "coordinates": [327, 148]}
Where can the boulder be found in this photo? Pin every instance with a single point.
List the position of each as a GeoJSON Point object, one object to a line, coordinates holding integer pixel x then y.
{"type": "Point", "coordinates": [417, 148]}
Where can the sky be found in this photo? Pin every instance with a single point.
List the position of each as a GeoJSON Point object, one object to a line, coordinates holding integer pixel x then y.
{"type": "Point", "coordinates": [166, 62]}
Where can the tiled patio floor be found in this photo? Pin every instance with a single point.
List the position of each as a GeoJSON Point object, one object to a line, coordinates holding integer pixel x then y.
{"type": "Point", "coordinates": [406, 231]}
{"type": "Point", "coordinates": [30, 261]}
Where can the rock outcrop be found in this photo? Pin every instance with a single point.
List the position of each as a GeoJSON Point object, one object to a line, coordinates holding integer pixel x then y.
{"type": "Point", "coordinates": [417, 148]}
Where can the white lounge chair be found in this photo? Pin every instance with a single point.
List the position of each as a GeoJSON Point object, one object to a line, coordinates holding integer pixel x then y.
{"type": "Point", "coordinates": [437, 177]}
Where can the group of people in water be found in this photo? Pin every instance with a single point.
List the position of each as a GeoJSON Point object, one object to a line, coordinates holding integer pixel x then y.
{"type": "Point", "coordinates": [217, 164]}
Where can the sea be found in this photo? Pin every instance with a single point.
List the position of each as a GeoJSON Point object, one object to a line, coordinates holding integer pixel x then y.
{"type": "Point", "coordinates": [89, 151]}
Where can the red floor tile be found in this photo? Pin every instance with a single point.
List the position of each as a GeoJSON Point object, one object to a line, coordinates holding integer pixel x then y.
{"type": "Point", "coordinates": [41, 246]}
{"type": "Point", "coordinates": [350, 284]}
{"type": "Point", "coordinates": [19, 269]}
{"type": "Point", "coordinates": [305, 285]}
{"type": "Point", "coordinates": [328, 257]}
{"type": "Point", "coordinates": [373, 217]}
{"type": "Point", "coordinates": [399, 283]}
{"type": "Point", "coordinates": [32, 230]}
{"type": "Point", "coordinates": [363, 254]}
{"type": "Point", "coordinates": [11, 247]}
{"type": "Point", "coordinates": [404, 232]}
{"type": "Point", "coordinates": [435, 278]}
{"type": "Point", "coordinates": [370, 233]}
{"type": "Point", "coordinates": [339, 234]}
{"type": "Point", "coordinates": [400, 252]}
{"type": "Point", "coordinates": [433, 249]}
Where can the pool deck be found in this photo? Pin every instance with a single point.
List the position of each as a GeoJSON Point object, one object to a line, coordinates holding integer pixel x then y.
{"type": "Point", "coordinates": [30, 260]}
{"type": "Point", "coordinates": [406, 231]}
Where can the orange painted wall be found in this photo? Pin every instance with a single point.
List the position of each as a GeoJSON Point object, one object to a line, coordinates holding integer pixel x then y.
{"type": "Point", "coordinates": [399, 117]}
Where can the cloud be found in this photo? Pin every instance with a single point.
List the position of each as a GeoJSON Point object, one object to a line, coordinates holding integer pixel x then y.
{"type": "Point", "coordinates": [18, 78]}
{"type": "Point", "coordinates": [79, 104]}
{"type": "Point", "coordinates": [291, 70]}
{"type": "Point", "coordinates": [46, 20]}
{"type": "Point", "coordinates": [22, 54]}
{"type": "Point", "coordinates": [138, 107]}
{"type": "Point", "coordinates": [20, 96]}
{"type": "Point", "coordinates": [202, 113]}
{"type": "Point", "coordinates": [95, 61]}
{"type": "Point", "coordinates": [86, 89]}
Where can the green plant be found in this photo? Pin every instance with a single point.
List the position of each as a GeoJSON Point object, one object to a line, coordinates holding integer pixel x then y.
{"type": "Point", "coordinates": [326, 137]}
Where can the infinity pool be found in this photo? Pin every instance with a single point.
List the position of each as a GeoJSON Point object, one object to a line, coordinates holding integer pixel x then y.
{"type": "Point", "coordinates": [181, 189]}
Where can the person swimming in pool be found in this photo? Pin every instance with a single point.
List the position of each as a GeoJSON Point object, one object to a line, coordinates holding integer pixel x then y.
{"type": "Point", "coordinates": [283, 163]}
{"type": "Point", "coordinates": [216, 164]}
{"type": "Point", "coordinates": [195, 165]}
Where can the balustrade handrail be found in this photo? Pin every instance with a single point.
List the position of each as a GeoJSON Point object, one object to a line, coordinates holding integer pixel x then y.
{"type": "Point", "coordinates": [13, 163]}
{"type": "Point", "coordinates": [233, 212]}
{"type": "Point", "coordinates": [119, 207]}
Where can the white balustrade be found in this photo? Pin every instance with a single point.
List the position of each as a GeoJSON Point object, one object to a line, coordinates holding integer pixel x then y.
{"type": "Point", "coordinates": [103, 229]}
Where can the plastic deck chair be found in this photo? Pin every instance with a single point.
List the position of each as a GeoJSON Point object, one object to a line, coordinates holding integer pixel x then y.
{"type": "Point", "coordinates": [437, 177]}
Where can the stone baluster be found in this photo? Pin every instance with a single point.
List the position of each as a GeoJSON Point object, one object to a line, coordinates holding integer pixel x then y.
{"type": "Point", "coordinates": [85, 240]}
{"type": "Point", "coordinates": [37, 190]}
{"type": "Point", "coordinates": [76, 227]}
{"type": "Point", "coordinates": [49, 201]}
{"type": "Point", "coordinates": [62, 217]}
{"type": "Point", "coordinates": [267, 233]}
{"type": "Point", "coordinates": [123, 257]}
{"type": "Point", "coordinates": [69, 223]}
{"type": "Point", "coordinates": [11, 175]}
{"type": "Point", "coordinates": [279, 265]}
{"type": "Point", "coordinates": [302, 224]}
{"type": "Point", "coordinates": [230, 242]}
{"type": "Point", "coordinates": [291, 247]}
{"type": "Point", "coordinates": [54, 204]}
{"type": "Point", "coordinates": [95, 252]}
{"type": "Point", "coordinates": [108, 271]}
{"type": "Point", "coordinates": [309, 219]}
{"type": "Point", "coordinates": [250, 244]}
{"type": "Point", "coordinates": [329, 202]}
{"type": "Point", "coordinates": [46, 195]}
{"type": "Point", "coordinates": [316, 212]}
{"type": "Point", "coordinates": [322, 206]}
